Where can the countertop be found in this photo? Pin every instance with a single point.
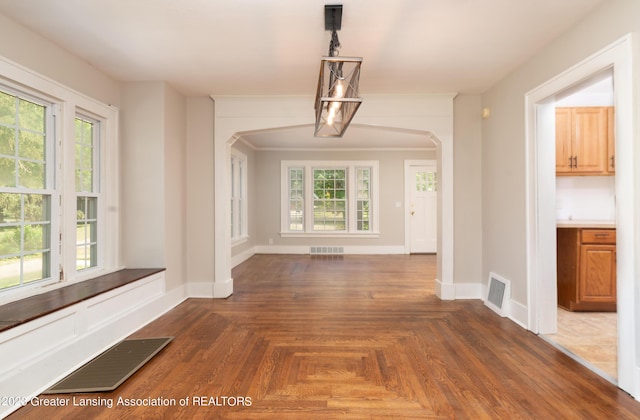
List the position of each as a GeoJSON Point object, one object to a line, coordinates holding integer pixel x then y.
{"type": "Point", "coordinates": [598, 224]}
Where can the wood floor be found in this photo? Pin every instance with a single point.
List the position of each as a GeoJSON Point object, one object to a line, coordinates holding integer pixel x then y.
{"type": "Point", "coordinates": [359, 337]}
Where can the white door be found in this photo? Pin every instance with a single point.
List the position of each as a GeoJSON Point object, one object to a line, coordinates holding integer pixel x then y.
{"type": "Point", "coordinates": [422, 208]}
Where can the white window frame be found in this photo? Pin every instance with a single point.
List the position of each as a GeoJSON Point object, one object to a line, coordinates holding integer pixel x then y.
{"type": "Point", "coordinates": [239, 225]}
{"type": "Point", "coordinates": [308, 167]}
{"type": "Point", "coordinates": [67, 104]}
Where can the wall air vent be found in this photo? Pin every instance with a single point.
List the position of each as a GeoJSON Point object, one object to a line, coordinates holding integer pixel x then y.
{"type": "Point", "coordinates": [498, 294]}
{"type": "Point", "coordinates": [326, 250]}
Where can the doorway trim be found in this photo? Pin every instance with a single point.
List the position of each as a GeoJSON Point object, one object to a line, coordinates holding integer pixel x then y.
{"type": "Point", "coordinates": [541, 256]}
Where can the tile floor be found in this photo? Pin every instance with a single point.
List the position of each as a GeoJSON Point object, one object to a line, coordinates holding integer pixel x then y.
{"type": "Point", "coordinates": [591, 336]}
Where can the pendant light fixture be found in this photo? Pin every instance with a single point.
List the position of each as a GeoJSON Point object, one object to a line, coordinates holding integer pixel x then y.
{"type": "Point", "coordinates": [337, 97]}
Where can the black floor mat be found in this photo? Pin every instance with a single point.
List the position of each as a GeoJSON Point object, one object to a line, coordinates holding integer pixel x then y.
{"type": "Point", "coordinates": [110, 369]}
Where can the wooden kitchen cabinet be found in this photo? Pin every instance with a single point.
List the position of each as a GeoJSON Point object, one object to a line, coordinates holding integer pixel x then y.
{"type": "Point", "coordinates": [584, 136]}
{"type": "Point", "coordinates": [586, 261]}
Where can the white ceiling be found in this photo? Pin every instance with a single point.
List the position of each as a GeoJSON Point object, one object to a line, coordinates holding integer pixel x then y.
{"type": "Point", "coordinates": [260, 47]}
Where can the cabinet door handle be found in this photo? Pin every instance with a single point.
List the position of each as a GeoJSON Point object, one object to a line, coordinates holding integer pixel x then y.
{"type": "Point", "coordinates": [601, 235]}
{"type": "Point", "coordinates": [575, 162]}
{"type": "Point", "coordinates": [570, 162]}
{"type": "Point", "coordinates": [613, 161]}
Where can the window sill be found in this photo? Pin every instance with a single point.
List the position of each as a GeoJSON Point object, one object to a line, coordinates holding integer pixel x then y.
{"type": "Point", "coordinates": [368, 235]}
{"type": "Point", "coordinates": [24, 310]}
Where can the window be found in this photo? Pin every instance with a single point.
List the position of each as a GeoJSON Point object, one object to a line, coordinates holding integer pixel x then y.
{"type": "Point", "coordinates": [363, 199]}
{"type": "Point", "coordinates": [329, 197]}
{"type": "Point", "coordinates": [238, 177]}
{"type": "Point", "coordinates": [56, 146]}
{"type": "Point", "coordinates": [296, 199]}
{"type": "Point", "coordinates": [87, 192]}
{"type": "Point", "coordinates": [426, 181]}
{"type": "Point", "coordinates": [26, 189]}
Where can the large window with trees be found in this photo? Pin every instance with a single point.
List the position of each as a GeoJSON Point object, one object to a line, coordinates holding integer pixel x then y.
{"type": "Point", "coordinates": [56, 145]}
{"type": "Point", "coordinates": [26, 189]}
{"type": "Point", "coordinates": [329, 197]}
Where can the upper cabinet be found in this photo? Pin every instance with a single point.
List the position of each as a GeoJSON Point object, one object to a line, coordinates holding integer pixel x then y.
{"type": "Point", "coordinates": [611, 141]}
{"type": "Point", "coordinates": [585, 142]}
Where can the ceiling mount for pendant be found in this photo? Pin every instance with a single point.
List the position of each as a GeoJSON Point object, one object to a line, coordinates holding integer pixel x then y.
{"type": "Point", "coordinates": [332, 17]}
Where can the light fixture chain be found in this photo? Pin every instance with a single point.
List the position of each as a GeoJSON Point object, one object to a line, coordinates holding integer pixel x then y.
{"type": "Point", "coordinates": [334, 45]}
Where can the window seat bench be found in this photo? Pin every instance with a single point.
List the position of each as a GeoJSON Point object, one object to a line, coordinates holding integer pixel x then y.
{"type": "Point", "coordinates": [24, 310]}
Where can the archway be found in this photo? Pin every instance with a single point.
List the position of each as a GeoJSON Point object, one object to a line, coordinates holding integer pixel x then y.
{"type": "Point", "coordinates": [420, 114]}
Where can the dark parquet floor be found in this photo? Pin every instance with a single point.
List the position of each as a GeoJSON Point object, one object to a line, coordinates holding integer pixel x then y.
{"type": "Point", "coordinates": [353, 337]}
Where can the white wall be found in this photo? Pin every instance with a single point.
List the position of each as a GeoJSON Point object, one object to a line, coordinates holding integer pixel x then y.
{"type": "Point", "coordinates": [200, 193]}
{"type": "Point", "coordinates": [467, 145]}
{"type": "Point", "coordinates": [175, 181]}
{"type": "Point", "coordinates": [152, 161]}
{"type": "Point", "coordinates": [46, 58]}
{"type": "Point", "coordinates": [142, 160]}
{"type": "Point", "coordinates": [585, 198]}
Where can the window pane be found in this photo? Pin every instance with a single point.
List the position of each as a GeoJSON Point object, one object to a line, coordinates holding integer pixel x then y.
{"type": "Point", "coordinates": [81, 234]}
{"type": "Point", "coordinates": [86, 232]}
{"type": "Point", "coordinates": [10, 208]}
{"type": "Point", "coordinates": [31, 145]}
{"type": "Point", "coordinates": [35, 267]}
{"type": "Point", "coordinates": [10, 273]}
{"type": "Point", "coordinates": [35, 238]}
{"type": "Point", "coordinates": [84, 180]}
{"type": "Point", "coordinates": [87, 158]}
{"type": "Point", "coordinates": [7, 172]}
{"type": "Point", "coordinates": [82, 260]}
{"type": "Point", "coordinates": [7, 141]}
{"type": "Point", "coordinates": [31, 116]}
{"type": "Point", "coordinates": [36, 208]}
{"type": "Point", "coordinates": [31, 174]}
{"type": "Point", "coordinates": [92, 208]}
{"type": "Point", "coordinates": [7, 109]}
{"type": "Point", "coordinates": [84, 148]}
{"type": "Point", "coordinates": [79, 155]}
{"type": "Point", "coordinates": [10, 240]}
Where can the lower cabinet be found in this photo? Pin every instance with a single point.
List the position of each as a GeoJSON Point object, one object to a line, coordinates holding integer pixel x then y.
{"type": "Point", "coordinates": [586, 261]}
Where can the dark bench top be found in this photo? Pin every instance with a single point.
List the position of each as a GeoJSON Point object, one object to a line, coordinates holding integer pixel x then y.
{"type": "Point", "coordinates": [28, 309]}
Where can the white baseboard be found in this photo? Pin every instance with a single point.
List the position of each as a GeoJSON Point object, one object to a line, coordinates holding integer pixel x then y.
{"type": "Point", "coordinates": [518, 313]}
{"type": "Point", "coordinates": [242, 257]}
{"type": "Point", "coordinates": [68, 338]}
{"type": "Point", "coordinates": [223, 289]}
